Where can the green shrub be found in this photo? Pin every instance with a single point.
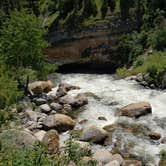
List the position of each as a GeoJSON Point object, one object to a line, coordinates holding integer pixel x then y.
{"type": "Point", "coordinates": [74, 152]}
{"type": "Point", "coordinates": [157, 38]}
{"type": "Point", "coordinates": [21, 41]}
{"type": "Point", "coordinates": [154, 65]}
{"type": "Point", "coordinates": [12, 155]}
{"type": "Point", "coordinates": [123, 72]}
{"type": "Point", "coordinates": [8, 90]}
{"type": "Point", "coordinates": [5, 116]}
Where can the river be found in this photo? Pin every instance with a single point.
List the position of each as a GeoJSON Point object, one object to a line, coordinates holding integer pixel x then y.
{"type": "Point", "coordinates": [107, 94]}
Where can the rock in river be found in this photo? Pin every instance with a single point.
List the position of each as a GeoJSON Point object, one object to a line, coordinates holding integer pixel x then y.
{"type": "Point", "coordinates": [77, 101]}
{"type": "Point", "coordinates": [136, 110]}
{"type": "Point", "coordinates": [59, 122]}
{"type": "Point", "coordinates": [94, 134]}
{"type": "Point", "coordinates": [39, 87]}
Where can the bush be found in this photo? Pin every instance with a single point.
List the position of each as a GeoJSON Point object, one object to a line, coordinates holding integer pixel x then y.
{"type": "Point", "coordinates": [12, 155]}
{"type": "Point", "coordinates": [8, 89]}
{"type": "Point", "coordinates": [157, 40]}
{"type": "Point", "coordinates": [5, 116]}
{"type": "Point", "coordinates": [130, 47]}
{"type": "Point", "coordinates": [21, 41]}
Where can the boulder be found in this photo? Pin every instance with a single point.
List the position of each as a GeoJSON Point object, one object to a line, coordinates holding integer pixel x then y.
{"type": "Point", "coordinates": [64, 88]}
{"type": "Point", "coordinates": [51, 141]}
{"type": "Point", "coordinates": [18, 137]}
{"type": "Point", "coordinates": [56, 106]}
{"type": "Point", "coordinates": [133, 163]}
{"type": "Point", "coordinates": [45, 108]}
{"type": "Point", "coordinates": [113, 163]}
{"type": "Point", "coordinates": [35, 116]}
{"type": "Point", "coordinates": [94, 134]}
{"type": "Point", "coordinates": [71, 163]}
{"type": "Point", "coordinates": [59, 122]}
{"type": "Point", "coordinates": [136, 110]}
{"type": "Point", "coordinates": [119, 158]}
{"type": "Point", "coordinates": [40, 101]}
{"type": "Point", "coordinates": [102, 118]}
{"type": "Point", "coordinates": [163, 83]}
{"type": "Point", "coordinates": [163, 140]}
{"type": "Point", "coordinates": [67, 107]}
{"type": "Point", "coordinates": [53, 112]}
{"type": "Point", "coordinates": [154, 135]}
{"type": "Point", "coordinates": [102, 155]}
{"type": "Point", "coordinates": [139, 77]}
{"type": "Point", "coordinates": [40, 135]}
{"type": "Point", "coordinates": [84, 145]}
{"type": "Point", "coordinates": [39, 87]}
{"type": "Point", "coordinates": [77, 101]}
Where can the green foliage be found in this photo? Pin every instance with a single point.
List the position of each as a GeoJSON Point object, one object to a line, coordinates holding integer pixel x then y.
{"type": "Point", "coordinates": [131, 46]}
{"type": "Point", "coordinates": [163, 158]}
{"type": "Point", "coordinates": [123, 72]}
{"type": "Point", "coordinates": [12, 155]}
{"type": "Point", "coordinates": [74, 152]}
{"type": "Point", "coordinates": [157, 39]}
{"type": "Point", "coordinates": [21, 41]}
{"type": "Point", "coordinates": [104, 8]}
{"type": "Point", "coordinates": [125, 5]}
{"type": "Point", "coordinates": [8, 89]}
{"type": "Point", "coordinates": [154, 65]}
{"type": "Point", "coordinates": [5, 116]}
{"type": "Point", "coordinates": [27, 156]}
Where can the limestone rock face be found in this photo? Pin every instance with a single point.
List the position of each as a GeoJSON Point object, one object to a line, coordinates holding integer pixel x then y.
{"type": "Point", "coordinates": [59, 122]}
{"type": "Point", "coordinates": [51, 141]}
{"type": "Point", "coordinates": [136, 110]}
{"type": "Point", "coordinates": [39, 87]}
{"type": "Point", "coordinates": [93, 134]}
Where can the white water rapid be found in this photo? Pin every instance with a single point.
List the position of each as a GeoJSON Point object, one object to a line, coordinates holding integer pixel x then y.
{"type": "Point", "coordinates": [107, 94]}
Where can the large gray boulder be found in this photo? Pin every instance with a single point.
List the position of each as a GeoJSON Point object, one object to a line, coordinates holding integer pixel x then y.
{"type": "Point", "coordinates": [136, 110]}
{"type": "Point", "coordinates": [94, 134]}
{"type": "Point", "coordinates": [59, 122]}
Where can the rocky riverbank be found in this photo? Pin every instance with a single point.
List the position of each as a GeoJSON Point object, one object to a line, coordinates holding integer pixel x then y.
{"type": "Point", "coordinates": [54, 113]}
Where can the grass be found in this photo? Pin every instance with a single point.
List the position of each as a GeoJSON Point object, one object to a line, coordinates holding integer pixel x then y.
{"type": "Point", "coordinates": [144, 64]}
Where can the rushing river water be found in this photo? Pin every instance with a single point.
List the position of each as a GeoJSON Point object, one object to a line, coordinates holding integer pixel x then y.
{"type": "Point", "coordinates": [107, 94]}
